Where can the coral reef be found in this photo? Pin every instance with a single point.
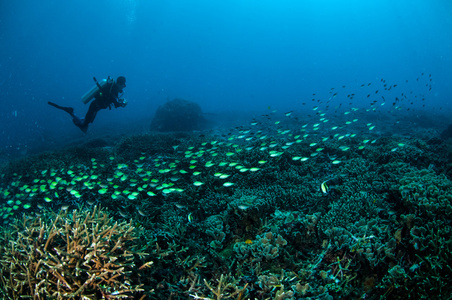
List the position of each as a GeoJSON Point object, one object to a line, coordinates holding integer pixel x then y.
{"type": "Point", "coordinates": [271, 210]}
{"type": "Point", "coordinates": [178, 115]}
{"type": "Point", "coordinates": [78, 255]}
{"type": "Point", "coordinates": [264, 247]}
{"type": "Point", "coordinates": [447, 133]}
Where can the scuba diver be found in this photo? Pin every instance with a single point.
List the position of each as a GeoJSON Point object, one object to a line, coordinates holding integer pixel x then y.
{"type": "Point", "coordinates": [105, 93]}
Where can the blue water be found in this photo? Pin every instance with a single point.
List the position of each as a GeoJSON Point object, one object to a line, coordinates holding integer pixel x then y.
{"type": "Point", "coordinates": [228, 56]}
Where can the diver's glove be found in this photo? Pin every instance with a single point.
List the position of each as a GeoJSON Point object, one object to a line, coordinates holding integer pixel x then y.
{"type": "Point", "coordinates": [122, 102]}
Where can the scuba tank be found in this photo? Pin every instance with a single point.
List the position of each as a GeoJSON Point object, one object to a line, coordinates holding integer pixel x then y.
{"type": "Point", "coordinates": [89, 95]}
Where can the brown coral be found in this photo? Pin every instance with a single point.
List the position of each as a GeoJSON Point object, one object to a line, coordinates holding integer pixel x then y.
{"type": "Point", "coordinates": [78, 255]}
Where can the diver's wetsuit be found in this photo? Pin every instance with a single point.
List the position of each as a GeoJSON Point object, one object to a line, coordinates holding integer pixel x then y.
{"type": "Point", "coordinates": [107, 96]}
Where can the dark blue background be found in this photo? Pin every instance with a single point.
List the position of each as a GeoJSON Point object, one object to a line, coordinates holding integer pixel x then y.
{"type": "Point", "coordinates": [225, 55]}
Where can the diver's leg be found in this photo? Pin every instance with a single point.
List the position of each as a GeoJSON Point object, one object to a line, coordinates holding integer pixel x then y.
{"type": "Point", "coordinates": [80, 123]}
{"type": "Point", "coordinates": [69, 110]}
{"type": "Point", "coordinates": [92, 112]}
{"type": "Point", "coordinates": [89, 117]}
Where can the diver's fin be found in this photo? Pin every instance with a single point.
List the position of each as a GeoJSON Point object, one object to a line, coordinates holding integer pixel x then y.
{"type": "Point", "coordinates": [69, 110]}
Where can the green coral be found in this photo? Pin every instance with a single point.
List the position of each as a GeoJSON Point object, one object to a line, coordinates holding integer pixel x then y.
{"type": "Point", "coordinates": [427, 194]}
{"type": "Point", "coordinates": [265, 247]}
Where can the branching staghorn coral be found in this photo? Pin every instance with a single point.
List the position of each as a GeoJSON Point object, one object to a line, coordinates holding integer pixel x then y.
{"type": "Point", "coordinates": [78, 255]}
{"type": "Point", "coordinates": [227, 288]}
